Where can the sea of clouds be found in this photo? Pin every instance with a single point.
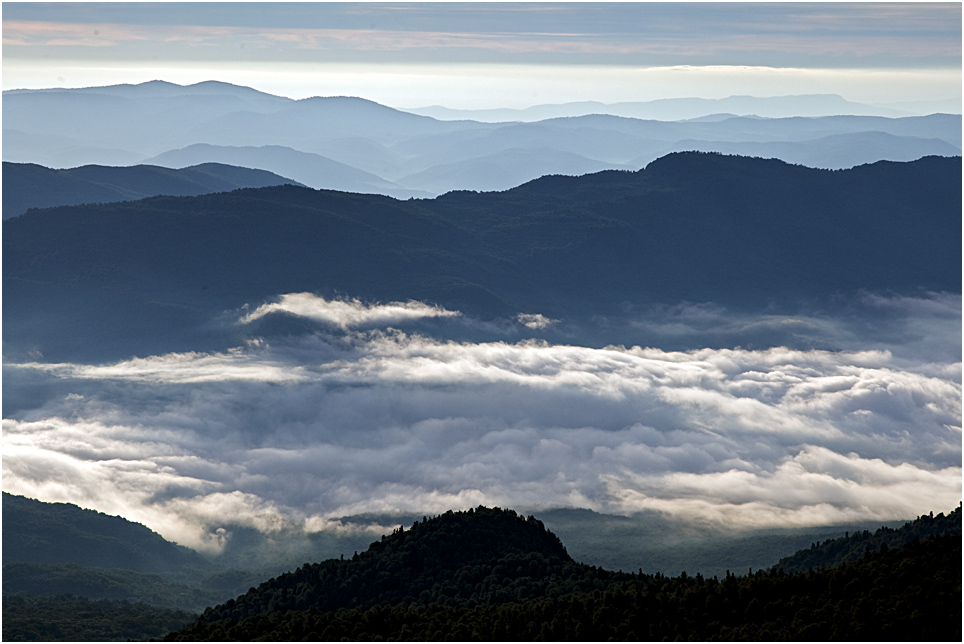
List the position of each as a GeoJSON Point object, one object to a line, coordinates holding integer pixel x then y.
{"type": "Point", "coordinates": [359, 417]}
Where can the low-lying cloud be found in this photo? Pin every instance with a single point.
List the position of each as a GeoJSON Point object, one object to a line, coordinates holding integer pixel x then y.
{"type": "Point", "coordinates": [295, 433]}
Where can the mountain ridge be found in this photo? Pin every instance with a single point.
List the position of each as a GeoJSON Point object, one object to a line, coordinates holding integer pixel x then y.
{"type": "Point", "coordinates": [129, 124]}
{"type": "Point", "coordinates": [39, 532]}
{"type": "Point", "coordinates": [35, 186]}
{"type": "Point", "coordinates": [565, 246]}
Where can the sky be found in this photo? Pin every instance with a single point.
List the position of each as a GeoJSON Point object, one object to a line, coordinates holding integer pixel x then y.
{"type": "Point", "coordinates": [487, 55]}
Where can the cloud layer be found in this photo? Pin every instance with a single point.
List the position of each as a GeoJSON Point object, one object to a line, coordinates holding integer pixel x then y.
{"type": "Point", "coordinates": [295, 433]}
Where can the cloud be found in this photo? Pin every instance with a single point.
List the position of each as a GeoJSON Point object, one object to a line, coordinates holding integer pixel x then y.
{"type": "Point", "coordinates": [535, 320]}
{"type": "Point", "coordinates": [816, 486]}
{"type": "Point", "coordinates": [295, 434]}
{"type": "Point", "coordinates": [348, 313]}
{"type": "Point", "coordinates": [181, 368]}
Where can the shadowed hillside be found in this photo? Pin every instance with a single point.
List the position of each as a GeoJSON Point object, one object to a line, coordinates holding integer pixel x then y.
{"type": "Point", "coordinates": [39, 532]}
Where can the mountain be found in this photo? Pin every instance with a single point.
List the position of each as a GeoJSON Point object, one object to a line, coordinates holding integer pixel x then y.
{"type": "Point", "coordinates": [505, 552]}
{"type": "Point", "coordinates": [380, 147]}
{"type": "Point", "coordinates": [162, 89]}
{"type": "Point", "coordinates": [834, 152]}
{"type": "Point", "coordinates": [159, 274]}
{"type": "Point", "coordinates": [490, 574]}
{"type": "Point", "coordinates": [312, 170]}
{"type": "Point", "coordinates": [58, 549]}
{"type": "Point", "coordinates": [678, 109]}
{"type": "Point", "coordinates": [27, 185]}
{"type": "Point", "coordinates": [835, 552]}
{"type": "Point", "coordinates": [39, 532]}
{"type": "Point", "coordinates": [147, 118]}
{"type": "Point", "coordinates": [502, 170]}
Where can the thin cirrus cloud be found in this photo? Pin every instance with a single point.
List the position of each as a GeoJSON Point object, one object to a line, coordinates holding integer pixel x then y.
{"type": "Point", "coordinates": [380, 421]}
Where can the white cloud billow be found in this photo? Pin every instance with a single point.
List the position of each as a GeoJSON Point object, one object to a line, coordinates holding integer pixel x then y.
{"type": "Point", "coordinates": [348, 313]}
{"type": "Point", "coordinates": [296, 434]}
{"type": "Point", "coordinates": [535, 320]}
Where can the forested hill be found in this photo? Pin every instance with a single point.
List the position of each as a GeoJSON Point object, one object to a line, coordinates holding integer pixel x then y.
{"type": "Point", "coordinates": [40, 533]}
{"type": "Point", "coordinates": [481, 555]}
{"type": "Point", "coordinates": [149, 276]}
{"type": "Point", "coordinates": [835, 552]}
{"type": "Point", "coordinates": [493, 575]}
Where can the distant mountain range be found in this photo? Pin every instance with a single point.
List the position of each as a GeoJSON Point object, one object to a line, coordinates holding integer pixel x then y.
{"type": "Point", "coordinates": [27, 185]}
{"type": "Point", "coordinates": [356, 145]}
{"type": "Point", "coordinates": [152, 275]}
{"type": "Point", "coordinates": [678, 109]}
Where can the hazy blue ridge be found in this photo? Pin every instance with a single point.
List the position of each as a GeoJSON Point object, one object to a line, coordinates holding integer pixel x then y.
{"type": "Point", "coordinates": [313, 170]}
{"type": "Point", "coordinates": [28, 185]}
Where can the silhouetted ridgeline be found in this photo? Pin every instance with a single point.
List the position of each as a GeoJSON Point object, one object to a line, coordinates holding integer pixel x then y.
{"type": "Point", "coordinates": [482, 555]}
{"type": "Point", "coordinates": [485, 585]}
{"type": "Point", "coordinates": [481, 574]}
{"type": "Point", "coordinates": [152, 275]}
{"type": "Point", "coordinates": [835, 552]}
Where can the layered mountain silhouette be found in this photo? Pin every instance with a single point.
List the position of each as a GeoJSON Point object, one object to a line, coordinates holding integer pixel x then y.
{"type": "Point", "coordinates": [690, 227]}
{"type": "Point", "coordinates": [28, 185]}
{"type": "Point", "coordinates": [398, 153]}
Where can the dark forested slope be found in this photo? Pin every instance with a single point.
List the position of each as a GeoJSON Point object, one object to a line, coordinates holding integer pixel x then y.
{"type": "Point", "coordinates": [487, 555]}
{"type": "Point", "coordinates": [27, 185]}
{"type": "Point", "coordinates": [835, 552]}
{"type": "Point", "coordinates": [66, 618]}
{"type": "Point", "coordinates": [498, 576]}
{"type": "Point", "coordinates": [690, 227]}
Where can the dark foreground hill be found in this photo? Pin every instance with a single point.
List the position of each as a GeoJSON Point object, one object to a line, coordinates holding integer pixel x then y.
{"type": "Point", "coordinates": [156, 275]}
{"type": "Point", "coordinates": [27, 185]}
{"type": "Point", "coordinates": [492, 575]}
